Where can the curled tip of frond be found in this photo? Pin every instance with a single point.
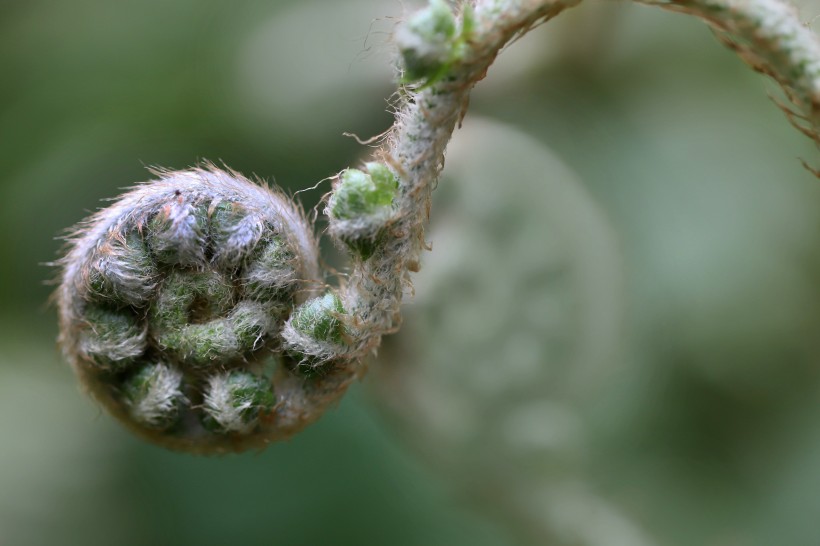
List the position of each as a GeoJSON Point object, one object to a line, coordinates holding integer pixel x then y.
{"type": "Point", "coordinates": [173, 301]}
{"type": "Point", "coordinates": [189, 306]}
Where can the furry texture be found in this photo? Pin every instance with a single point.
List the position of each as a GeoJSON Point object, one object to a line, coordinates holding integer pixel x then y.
{"type": "Point", "coordinates": [206, 223]}
{"type": "Point", "coordinates": [234, 402]}
{"type": "Point", "coordinates": [767, 34]}
{"type": "Point", "coordinates": [154, 396]}
{"type": "Point", "coordinates": [172, 303]}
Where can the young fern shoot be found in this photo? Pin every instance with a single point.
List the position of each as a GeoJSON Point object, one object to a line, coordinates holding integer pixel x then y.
{"type": "Point", "coordinates": [194, 309]}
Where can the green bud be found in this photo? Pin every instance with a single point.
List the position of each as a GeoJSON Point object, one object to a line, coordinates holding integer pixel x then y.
{"type": "Point", "coordinates": [154, 396]}
{"type": "Point", "coordinates": [112, 339]}
{"type": "Point", "coordinates": [427, 42]}
{"type": "Point", "coordinates": [319, 318]}
{"type": "Point", "coordinates": [177, 233]}
{"type": "Point", "coordinates": [270, 274]}
{"type": "Point", "coordinates": [360, 193]}
{"type": "Point", "coordinates": [234, 402]}
{"type": "Point", "coordinates": [366, 200]}
{"type": "Point", "coordinates": [122, 271]}
{"type": "Point", "coordinates": [234, 232]}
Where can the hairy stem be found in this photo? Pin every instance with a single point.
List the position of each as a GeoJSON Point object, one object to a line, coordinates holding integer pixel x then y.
{"type": "Point", "coordinates": [191, 307]}
{"type": "Point", "coordinates": [415, 149]}
{"type": "Point", "coordinates": [767, 34]}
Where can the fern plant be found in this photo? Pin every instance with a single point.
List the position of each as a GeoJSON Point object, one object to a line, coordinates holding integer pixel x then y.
{"type": "Point", "coordinates": [194, 308]}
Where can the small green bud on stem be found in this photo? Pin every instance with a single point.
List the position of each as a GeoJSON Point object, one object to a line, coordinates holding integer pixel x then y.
{"type": "Point", "coordinates": [360, 193]}
{"type": "Point", "coordinates": [315, 332]}
{"type": "Point", "coordinates": [362, 202]}
{"type": "Point", "coordinates": [319, 318]}
{"type": "Point", "coordinates": [428, 42]}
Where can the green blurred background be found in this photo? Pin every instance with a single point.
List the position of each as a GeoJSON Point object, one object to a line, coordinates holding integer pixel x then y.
{"type": "Point", "coordinates": [690, 229]}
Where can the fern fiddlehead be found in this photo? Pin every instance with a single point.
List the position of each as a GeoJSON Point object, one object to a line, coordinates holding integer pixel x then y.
{"type": "Point", "coordinates": [172, 300]}
{"type": "Point", "coordinates": [193, 308]}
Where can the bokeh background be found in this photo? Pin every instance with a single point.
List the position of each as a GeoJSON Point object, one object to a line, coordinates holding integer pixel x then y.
{"type": "Point", "coordinates": [614, 341]}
